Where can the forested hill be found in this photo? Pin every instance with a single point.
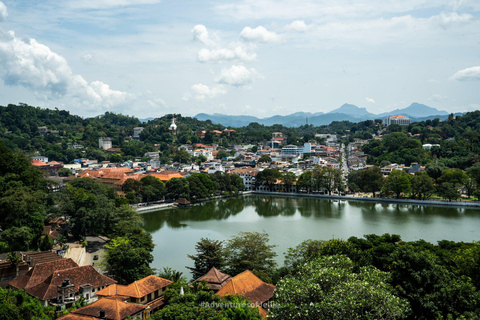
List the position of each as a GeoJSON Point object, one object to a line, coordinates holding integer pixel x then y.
{"type": "Point", "coordinates": [19, 129]}
{"type": "Point", "coordinates": [459, 136]}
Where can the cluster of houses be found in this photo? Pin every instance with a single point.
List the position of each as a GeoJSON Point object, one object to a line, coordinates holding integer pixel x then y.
{"type": "Point", "coordinates": [241, 159]}
{"type": "Point", "coordinates": [61, 282]}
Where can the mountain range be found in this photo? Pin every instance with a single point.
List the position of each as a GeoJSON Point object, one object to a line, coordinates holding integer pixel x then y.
{"type": "Point", "coordinates": [347, 112]}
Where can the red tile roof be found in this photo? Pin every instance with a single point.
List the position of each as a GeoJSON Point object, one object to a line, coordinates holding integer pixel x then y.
{"type": "Point", "coordinates": [40, 272]}
{"type": "Point", "coordinates": [78, 276]}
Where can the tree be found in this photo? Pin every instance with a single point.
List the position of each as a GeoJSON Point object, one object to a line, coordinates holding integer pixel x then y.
{"type": "Point", "coordinates": [397, 182]}
{"type": "Point", "coordinates": [221, 154]}
{"type": "Point", "coordinates": [328, 288]}
{"type": "Point", "coordinates": [328, 178]}
{"type": "Point", "coordinates": [305, 181]}
{"type": "Point", "coordinates": [152, 188]}
{"type": "Point", "coordinates": [430, 288]}
{"type": "Point", "coordinates": [249, 251]}
{"type": "Point", "coordinates": [268, 177]}
{"type": "Point", "coordinates": [18, 305]}
{"type": "Point", "coordinates": [128, 259]}
{"type": "Point", "coordinates": [46, 243]}
{"type": "Point", "coordinates": [372, 180]}
{"type": "Point", "coordinates": [15, 260]}
{"type": "Point", "coordinates": [204, 305]}
{"type": "Point", "coordinates": [170, 274]}
{"type": "Point", "coordinates": [209, 254]}
{"type": "Point", "coordinates": [18, 239]}
{"type": "Point", "coordinates": [181, 156]}
{"type": "Point", "coordinates": [288, 179]}
{"type": "Point", "coordinates": [448, 191]}
{"type": "Point", "coordinates": [178, 188]}
{"type": "Point", "coordinates": [132, 185]}
{"type": "Point", "coordinates": [265, 158]}
{"type": "Point", "coordinates": [65, 172]}
{"type": "Point", "coordinates": [422, 186]}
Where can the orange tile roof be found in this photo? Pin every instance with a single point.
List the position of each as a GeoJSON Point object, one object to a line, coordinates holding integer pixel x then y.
{"type": "Point", "coordinates": [40, 272]}
{"type": "Point", "coordinates": [137, 289]}
{"type": "Point", "coordinates": [250, 286]}
{"type": "Point", "coordinates": [166, 175]}
{"type": "Point", "coordinates": [38, 163]}
{"type": "Point", "coordinates": [114, 310]}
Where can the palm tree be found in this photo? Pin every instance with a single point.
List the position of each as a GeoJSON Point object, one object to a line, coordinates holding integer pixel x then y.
{"type": "Point", "coordinates": [14, 259]}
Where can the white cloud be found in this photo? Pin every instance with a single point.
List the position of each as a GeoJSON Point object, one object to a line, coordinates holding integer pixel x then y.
{"type": "Point", "coordinates": [259, 34]}
{"type": "Point", "coordinates": [297, 25]}
{"type": "Point", "coordinates": [88, 57]}
{"type": "Point", "coordinates": [32, 65]}
{"type": "Point", "coordinates": [472, 73]}
{"type": "Point", "coordinates": [236, 53]}
{"type": "Point", "coordinates": [106, 4]}
{"type": "Point", "coordinates": [202, 91]}
{"type": "Point", "coordinates": [324, 10]}
{"type": "Point", "coordinates": [3, 12]}
{"type": "Point", "coordinates": [200, 34]}
{"type": "Point", "coordinates": [369, 100]}
{"type": "Point", "coordinates": [237, 76]}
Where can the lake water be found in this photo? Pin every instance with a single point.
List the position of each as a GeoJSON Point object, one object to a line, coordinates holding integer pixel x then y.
{"type": "Point", "coordinates": [291, 220]}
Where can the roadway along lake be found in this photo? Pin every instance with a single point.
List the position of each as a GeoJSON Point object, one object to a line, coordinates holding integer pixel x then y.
{"type": "Point", "coordinates": [290, 220]}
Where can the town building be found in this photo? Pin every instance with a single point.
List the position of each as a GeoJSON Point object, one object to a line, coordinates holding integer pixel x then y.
{"type": "Point", "coordinates": [399, 119]}
{"type": "Point", "coordinates": [136, 132]}
{"type": "Point", "coordinates": [105, 143]}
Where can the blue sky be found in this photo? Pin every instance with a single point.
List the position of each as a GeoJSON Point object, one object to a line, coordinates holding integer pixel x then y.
{"type": "Point", "coordinates": [253, 57]}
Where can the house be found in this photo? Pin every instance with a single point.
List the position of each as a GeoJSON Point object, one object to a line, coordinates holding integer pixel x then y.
{"type": "Point", "coordinates": [251, 287]}
{"type": "Point", "coordinates": [215, 279]}
{"type": "Point", "coordinates": [62, 282]}
{"type": "Point", "coordinates": [147, 292]}
{"type": "Point", "coordinates": [107, 309]}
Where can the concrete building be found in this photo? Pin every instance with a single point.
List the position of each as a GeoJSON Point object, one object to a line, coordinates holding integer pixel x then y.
{"type": "Point", "coordinates": [136, 132]}
{"type": "Point", "coordinates": [399, 119]}
{"type": "Point", "coordinates": [105, 143]}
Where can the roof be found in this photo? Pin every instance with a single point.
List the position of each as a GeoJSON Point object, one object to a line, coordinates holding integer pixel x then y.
{"type": "Point", "coordinates": [40, 272]}
{"type": "Point", "coordinates": [166, 175]}
{"type": "Point", "coordinates": [114, 309]}
{"type": "Point", "coordinates": [38, 163]}
{"type": "Point", "coordinates": [137, 289]}
{"type": "Point", "coordinates": [216, 279]}
{"type": "Point", "coordinates": [78, 276]}
{"type": "Point", "coordinates": [250, 286]}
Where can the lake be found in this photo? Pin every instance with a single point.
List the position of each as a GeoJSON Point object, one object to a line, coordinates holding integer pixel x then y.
{"type": "Point", "coordinates": [291, 220]}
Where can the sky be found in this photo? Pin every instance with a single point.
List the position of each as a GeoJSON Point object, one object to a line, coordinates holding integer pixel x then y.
{"type": "Point", "coordinates": [148, 58]}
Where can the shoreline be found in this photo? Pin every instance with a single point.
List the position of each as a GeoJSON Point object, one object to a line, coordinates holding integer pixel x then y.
{"type": "Point", "coordinates": [163, 206]}
{"type": "Point", "coordinates": [375, 200]}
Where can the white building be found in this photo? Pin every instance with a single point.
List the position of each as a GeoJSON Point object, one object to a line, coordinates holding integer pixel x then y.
{"type": "Point", "coordinates": [399, 119]}
{"type": "Point", "coordinates": [136, 132]}
{"type": "Point", "coordinates": [105, 143]}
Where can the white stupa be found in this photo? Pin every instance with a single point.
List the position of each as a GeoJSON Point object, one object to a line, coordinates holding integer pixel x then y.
{"type": "Point", "coordinates": [173, 126]}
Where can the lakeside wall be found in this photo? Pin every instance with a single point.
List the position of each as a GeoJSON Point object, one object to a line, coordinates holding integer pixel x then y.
{"type": "Point", "coordinates": [369, 199]}
{"type": "Point", "coordinates": [156, 207]}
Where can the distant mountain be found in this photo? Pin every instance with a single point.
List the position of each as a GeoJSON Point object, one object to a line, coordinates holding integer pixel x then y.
{"type": "Point", "coordinates": [146, 119]}
{"type": "Point", "coordinates": [415, 110]}
{"type": "Point", "coordinates": [347, 112]}
{"type": "Point", "coordinates": [353, 110]}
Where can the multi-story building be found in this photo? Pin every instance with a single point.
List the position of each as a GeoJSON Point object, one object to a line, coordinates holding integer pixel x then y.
{"type": "Point", "coordinates": [399, 119]}
{"type": "Point", "coordinates": [105, 143]}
